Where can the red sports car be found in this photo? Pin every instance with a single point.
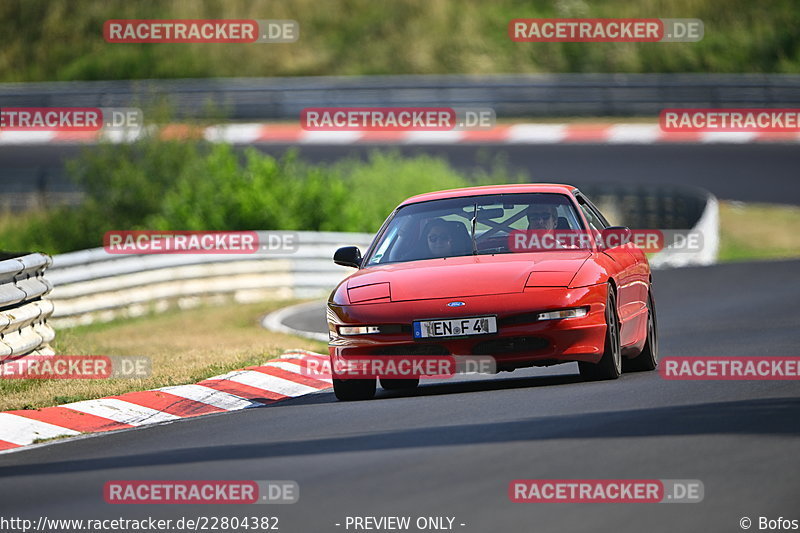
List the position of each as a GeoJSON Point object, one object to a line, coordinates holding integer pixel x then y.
{"type": "Point", "coordinates": [454, 273]}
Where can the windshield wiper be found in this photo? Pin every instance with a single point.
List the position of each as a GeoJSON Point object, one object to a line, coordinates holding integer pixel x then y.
{"type": "Point", "coordinates": [474, 222]}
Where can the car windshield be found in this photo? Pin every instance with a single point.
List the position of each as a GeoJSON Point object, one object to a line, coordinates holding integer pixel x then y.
{"type": "Point", "coordinates": [474, 225]}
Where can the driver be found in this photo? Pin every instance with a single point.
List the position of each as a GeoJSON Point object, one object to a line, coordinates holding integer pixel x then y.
{"type": "Point", "coordinates": [542, 224]}
{"type": "Point", "coordinates": [542, 217]}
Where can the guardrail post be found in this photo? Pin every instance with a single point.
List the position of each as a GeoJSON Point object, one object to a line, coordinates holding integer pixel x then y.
{"type": "Point", "coordinates": [23, 309]}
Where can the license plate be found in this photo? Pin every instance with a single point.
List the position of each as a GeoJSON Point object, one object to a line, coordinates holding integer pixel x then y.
{"type": "Point", "coordinates": [455, 327]}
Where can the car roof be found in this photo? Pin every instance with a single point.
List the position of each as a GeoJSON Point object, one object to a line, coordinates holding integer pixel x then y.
{"type": "Point", "coordinates": [492, 189]}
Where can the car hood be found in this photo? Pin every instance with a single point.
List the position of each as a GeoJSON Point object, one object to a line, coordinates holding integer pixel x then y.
{"type": "Point", "coordinates": [457, 277]}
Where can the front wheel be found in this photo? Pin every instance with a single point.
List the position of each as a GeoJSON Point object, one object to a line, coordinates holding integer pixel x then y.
{"type": "Point", "coordinates": [354, 389]}
{"type": "Point", "coordinates": [648, 358]}
{"type": "Point", "coordinates": [610, 365]}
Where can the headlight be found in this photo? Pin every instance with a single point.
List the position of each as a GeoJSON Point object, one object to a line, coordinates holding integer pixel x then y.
{"type": "Point", "coordinates": [358, 330]}
{"type": "Point", "coordinates": [577, 312]}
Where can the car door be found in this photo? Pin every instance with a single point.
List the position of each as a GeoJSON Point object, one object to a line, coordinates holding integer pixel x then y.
{"type": "Point", "coordinates": [629, 302]}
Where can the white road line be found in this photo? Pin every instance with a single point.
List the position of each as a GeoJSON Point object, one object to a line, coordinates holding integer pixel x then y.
{"type": "Point", "coordinates": [330, 137]}
{"type": "Point", "coordinates": [275, 322]}
{"type": "Point", "coordinates": [727, 136]}
{"type": "Point", "coordinates": [121, 411]}
{"type": "Point", "coordinates": [234, 133]}
{"type": "Point", "coordinates": [536, 133]}
{"type": "Point", "coordinates": [295, 368]}
{"type": "Point", "coordinates": [633, 133]}
{"type": "Point", "coordinates": [433, 137]}
{"type": "Point", "coordinates": [22, 431]}
{"type": "Point", "coordinates": [27, 137]}
{"type": "Point", "coordinates": [259, 380]}
{"type": "Point", "coordinates": [519, 133]}
{"type": "Point", "coordinates": [220, 399]}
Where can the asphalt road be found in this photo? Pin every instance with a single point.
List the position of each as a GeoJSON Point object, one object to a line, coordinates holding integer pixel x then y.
{"type": "Point", "coordinates": [747, 172]}
{"type": "Point", "coordinates": [452, 448]}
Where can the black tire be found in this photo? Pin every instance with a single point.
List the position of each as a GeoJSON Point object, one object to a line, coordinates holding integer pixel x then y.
{"type": "Point", "coordinates": [610, 365]}
{"type": "Point", "coordinates": [354, 389]}
{"type": "Point", "coordinates": [399, 384]}
{"type": "Point", "coordinates": [648, 359]}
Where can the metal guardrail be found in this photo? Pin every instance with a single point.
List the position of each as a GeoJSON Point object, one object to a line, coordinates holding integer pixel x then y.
{"type": "Point", "coordinates": [93, 285]}
{"type": "Point", "coordinates": [23, 310]}
{"type": "Point", "coordinates": [648, 206]}
{"type": "Point", "coordinates": [664, 207]}
{"type": "Point", "coordinates": [706, 225]}
{"type": "Point", "coordinates": [509, 95]}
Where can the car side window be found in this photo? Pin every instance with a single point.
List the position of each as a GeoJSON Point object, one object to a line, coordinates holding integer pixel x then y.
{"type": "Point", "coordinates": [384, 248]}
{"type": "Point", "coordinates": [594, 222]}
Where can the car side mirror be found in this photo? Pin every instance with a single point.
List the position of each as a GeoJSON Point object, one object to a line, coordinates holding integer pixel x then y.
{"type": "Point", "coordinates": [614, 236]}
{"type": "Point", "coordinates": [349, 256]}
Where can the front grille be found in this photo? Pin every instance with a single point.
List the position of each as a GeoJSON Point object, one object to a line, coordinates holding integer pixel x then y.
{"type": "Point", "coordinates": [510, 345]}
{"type": "Point", "coordinates": [524, 318]}
{"type": "Point", "coordinates": [412, 349]}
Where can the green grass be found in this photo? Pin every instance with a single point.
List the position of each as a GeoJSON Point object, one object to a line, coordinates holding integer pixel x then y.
{"type": "Point", "coordinates": [758, 231]}
{"type": "Point", "coordinates": [55, 40]}
{"type": "Point", "coordinates": [183, 347]}
{"type": "Point", "coordinates": [51, 439]}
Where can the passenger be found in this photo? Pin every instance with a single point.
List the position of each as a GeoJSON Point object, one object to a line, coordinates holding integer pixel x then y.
{"type": "Point", "coordinates": [439, 238]}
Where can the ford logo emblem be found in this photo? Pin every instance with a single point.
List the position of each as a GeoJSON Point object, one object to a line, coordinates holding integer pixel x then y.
{"type": "Point", "coordinates": [456, 304]}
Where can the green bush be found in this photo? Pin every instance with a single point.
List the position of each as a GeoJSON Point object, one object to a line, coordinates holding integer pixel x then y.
{"type": "Point", "coordinates": [155, 184]}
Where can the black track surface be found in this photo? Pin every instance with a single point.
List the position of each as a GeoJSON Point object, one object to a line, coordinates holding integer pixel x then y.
{"type": "Point", "coordinates": [452, 448]}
